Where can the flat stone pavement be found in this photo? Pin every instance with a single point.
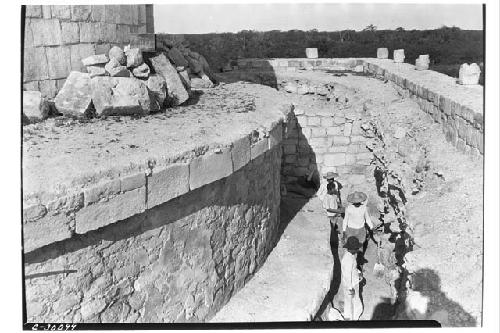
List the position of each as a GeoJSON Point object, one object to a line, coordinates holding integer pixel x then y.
{"type": "Point", "coordinates": [294, 280]}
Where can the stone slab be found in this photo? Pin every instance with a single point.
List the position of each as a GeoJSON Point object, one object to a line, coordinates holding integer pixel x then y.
{"type": "Point", "coordinates": [35, 107]}
{"type": "Point", "coordinates": [75, 96]}
{"type": "Point", "coordinates": [167, 183]}
{"type": "Point", "coordinates": [240, 152]}
{"type": "Point", "coordinates": [115, 209]}
{"type": "Point", "coordinates": [210, 167]}
{"type": "Point", "coordinates": [47, 230]}
{"type": "Point", "coordinates": [258, 148]}
{"type": "Point", "coordinates": [176, 91]}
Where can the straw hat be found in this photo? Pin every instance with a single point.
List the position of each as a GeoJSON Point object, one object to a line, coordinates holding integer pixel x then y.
{"type": "Point", "coordinates": [356, 197]}
{"type": "Point", "coordinates": [330, 175]}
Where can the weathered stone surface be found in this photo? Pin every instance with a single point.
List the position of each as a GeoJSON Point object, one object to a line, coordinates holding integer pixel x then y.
{"type": "Point", "coordinates": [186, 81]}
{"type": "Point", "coordinates": [96, 71]}
{"type": "Point", "coordinates": [118, 54]}
{"type": "Point", "coordinates": [142, 71]}
{"type": "Point", "coordinates": [469, 74]}
{"type": "Point", "coordinates": [143, 41]}
{"type": "Point", "coordinates": [58, 61]}
{"type": "Point", "coordinates": [70, 32]}
{"type": "Point", "coordinates": [34, 106]}
{"type": "Point", "coordinates": [134, 57]}
{"type": "Point", "coordinates": [61, 11]}
{"type": "Point", "coordinates": [116, 209]}
{"type": "Point", "coordinates": [74, 98]}
{"type": "Point", "coordinates": [176, 57]}
{"type": "Point", "coordinates": [334, 159]}
{"type": "Point", "coordinates": [240, 153]}
{"type": "Point", "coordinates": [382, 53]}
{"type": "Point", "coordinates": [167, 183]}
{"type": "Point", "coordinates": [203, 82]}
{"type": "Point", "coordinates": [312, 53]}
{"type": "Point", "coordinates": [46, 32]}
{"type": "Point", "coordinates": [79, 52]}
{"type": "Point", "coordinates": [176, 92]}
{"type": "Point", "coordinates": [114, 69]}
{"type": "Point", "coordinates": [80, 12]}
{"type": "Point", "coordinates": [49, 229]}
{"type": "Point", "coordinates": [421, 65]}
{"type": "Point", "coordinates": [258, 148]}
{"type": "Point", "coordinates": [97, 59]}
{"type": "Point", "coordinates": [33, 11]}
{"type": "Point", "coordinates": [195, 66]}
{"type": "Point", "coordinates": [101, 191]}
{"type": "Point", "coordinates": [119, 96]}
{"type": "Point", "coordinates": [209, 168]}
{"type": "Point", "coordinates": [158, 88]}
{"type": "Point", "coordinates": [400, 132]}
{"type": "Point", "coordinates": [399, 55]}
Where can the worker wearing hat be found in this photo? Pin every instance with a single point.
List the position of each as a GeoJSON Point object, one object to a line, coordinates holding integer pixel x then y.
{"type": "Point", "coordinates": [351, 277]}
{"type": "Point", "coordinates": [329, 194]}
{"type": "Point", "coordinates": [356, 216]}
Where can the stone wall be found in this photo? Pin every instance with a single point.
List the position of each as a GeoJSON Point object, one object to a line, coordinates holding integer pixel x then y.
{"type": "Point", "coordinates": [57, 37]}
{"type": "Point", "coordinates": [171, 246]}
{"type": "Point", "coordinates": [291, 65]}
{"type": "Point", "coordinates": [458, 108]}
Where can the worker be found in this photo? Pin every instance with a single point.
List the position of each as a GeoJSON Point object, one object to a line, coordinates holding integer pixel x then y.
{"type": "Point", "coordinates": [329, 194]}
{"type": "Point", "coordinates": [351, 278]}
{"type": "Point", "coordinates": [356, 217]}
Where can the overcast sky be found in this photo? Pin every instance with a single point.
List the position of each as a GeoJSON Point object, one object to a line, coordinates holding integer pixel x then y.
{"type": "Point", "coordinates": [203, 18]}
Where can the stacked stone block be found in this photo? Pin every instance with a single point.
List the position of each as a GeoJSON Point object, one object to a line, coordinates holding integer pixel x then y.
{"type": "Point", "coordinates": [292, 65]}
{"type": "Point", "coordinates": [58, 37]}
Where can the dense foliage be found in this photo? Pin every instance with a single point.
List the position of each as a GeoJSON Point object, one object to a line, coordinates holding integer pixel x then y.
{"type": "Point", "coordinates": [448, 47]}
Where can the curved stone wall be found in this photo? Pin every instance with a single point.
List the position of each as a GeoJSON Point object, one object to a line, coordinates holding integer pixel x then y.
{"type": "Point", "coordinates": [171, 245]}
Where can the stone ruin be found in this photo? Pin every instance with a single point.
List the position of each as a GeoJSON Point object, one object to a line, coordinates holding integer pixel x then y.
{"type": "Point", "coordinates": [133, 80]}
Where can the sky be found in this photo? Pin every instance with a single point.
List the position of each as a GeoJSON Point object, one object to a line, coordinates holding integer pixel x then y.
{"type": "Point", "coordinates": [204, 18]}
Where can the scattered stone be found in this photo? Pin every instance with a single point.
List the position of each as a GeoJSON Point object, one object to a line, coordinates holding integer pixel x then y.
{"type": "Point", "coordinates": [146, 42]}
{"type": "Point", "coordinates": [399, 55]}
{"type": "Point", "coordinates": [312, 53]}
{"type": "Point", "coordinates": [382, 53]}
{"type": "Point", "coordinates": [186, 81]}
{"type": "Point", "coordinates": [120, 96]}
{"type": "Point", "coordinates": [180, 68]}
{"type": "Point", "coordinates": [96, 71]}
{"type": "Point", "coordinates": [74, 98]}
{"type": "Point", "coordinates": [175, 89]}
{"type": "Point", "coordinates": [176, 57]}
{"type": "Point", "coordinates": [158, 88]}
{"type": "Point", "coordinates": [206, 67]}
{"type": "Point", "coordinates": [95, 60]}
{"type": "Point", "coordinates": [422, 63]}
{"type": "Point", "coordinates": [134, 57]}
{"type": "Point", "coordinates": [195, 66]}
{"type": "Point", "coordinates": [118, 54]}
{"type": "Point", "coordinates": [469, 74]}
{"type": "Point", "coordinates": [35, 107]}
{"type": "Point", "coordinates": [142, 71]}
{"type": "Point", "coordinates": [400, 132]}
{"type": "Point", "coordinates": [203, 82]}
{"type": "Point", "coordinates": [114, 69]}
{"type": "Point", "coordinates": [290, 87]}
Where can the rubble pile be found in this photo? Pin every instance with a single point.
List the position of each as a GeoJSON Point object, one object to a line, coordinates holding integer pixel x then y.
{"type": "Point", "coordinates": [125, 81]}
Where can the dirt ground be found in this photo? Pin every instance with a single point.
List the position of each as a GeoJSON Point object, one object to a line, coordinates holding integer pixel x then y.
{"type": "Point", "coordinates": [61, 153]}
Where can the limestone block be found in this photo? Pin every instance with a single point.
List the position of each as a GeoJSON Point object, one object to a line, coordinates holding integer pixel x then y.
{"type": "Point", "coordinates": [276, 134]}
{"type": "Point", "coordinates": [176, 57]}
{"type": "Point", "coordinates": [35, 107]}
{"type": "Point", "coordinates": [97, 13]}
{"type": "Point", "coordinates": [348, 129]}
{"type": "Point", "coordinates": [382, 53]}
{"type": "Point", "coordinates": [338, 149]}
{"type": "Point", "coordinates": [258, 148]}
{"type": "Point", "coordinates": [75, 96]}
{"type": "Point", "coordinates": [142, 71]}
{"type": "Point", "coordinates": [399, 55]}
{"type": "Point", "coordinates": [240, 152]}
{"type": "Point", "coordinates": [70, 32]}
{"type": "Point", "coordinates": [120, 96]}
{"type": "Point", "coordinates": [200, 83]}
{"type": "Point", "coordinates": [106, 212]}
{"type": "Point", "coordinates": [313, 121]}
{"type": "Point", "coordinates": [469, 74]}
{"type": "Point", "coordinates": [167, 183]}
{"type": "Point", "coordinates": [33, 11]}
{"type": "Point", "coordinates": [210, 167]}
{"type": "Point", "coordinates": [302, 120]}
{"type": "Point", "coordinates": [111, 15]}
{"type": "Point", "coordinates": [97, 59]}
{"type": "Point", "coordinates": [96, 71]}
{"type": "Point", "coordinates": [79, 52]}
{"type": "Point", "coordinates": [318, 142]}
{"type": "Point", "coordinates": [177, 93]}
{"type": "Point", "coordinates": [131, 182]}
{"type": "Point", "coordinates": [61, 12]}
{"type": "Point", "coordinates": [186, 81]}
{"type": "Point", "coordinates": [134, 57]}
{"type": "Point", "coordinates": [65, 204]}
{"type": "Point", "coordinates": [421, 65]}
{"type": "Point", "coordinates": [158, 88]}
{"type": "Point", "coordinates": [331, 160]}
{"type": "Point", "coordinates": [357, 138]}
{"type": "Point", "coordinates": [58, 61]}
{"type": "Point", "coordinates": [143, 41]}
{"type": "Point", "coordinates": [89, 32]}
{"type": "Point", "coordinates": [337, 130]}
{"type": "Point", "coordinates": [47, 230]}
{"type": "Point", "coordinates": [80, 12]}
{"type": "Point", "coordinates": [114, 69]}
{"type": "Point", "coordinates": [312, 53]}
{"type": "Point", "coordinates": [46, 32]}
{"type": "Point", "coordinates": [327, 122]}
{"type": "Point", "coordinates": [341, 140]}
{"type": "Point", "coordinates": [318, 132]}
{"type": "Point", "coordinates": [350, 159]}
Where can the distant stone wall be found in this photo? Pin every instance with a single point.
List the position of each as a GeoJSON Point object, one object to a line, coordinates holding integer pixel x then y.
{"type": "Point", "coordinates": [292, 65]}
{"type": "Point", "coordinates": [57, 37]}
{"type": "Point", "coordinates": [172, 245]}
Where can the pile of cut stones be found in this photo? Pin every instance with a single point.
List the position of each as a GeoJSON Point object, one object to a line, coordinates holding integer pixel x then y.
{"type": "Point", "coordinates": [124, 82]}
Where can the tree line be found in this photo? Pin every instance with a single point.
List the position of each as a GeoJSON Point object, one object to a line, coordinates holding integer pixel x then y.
{"type": "Point", "coordinates": [448, 47]}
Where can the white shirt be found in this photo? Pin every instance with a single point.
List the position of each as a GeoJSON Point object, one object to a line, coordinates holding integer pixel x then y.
{"type": "Point", "coordinates": [350, 272]}
{"type": "Point", "coordinates": [329, 201]}
{"type": "Point", "coordinates": [356, 217]}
